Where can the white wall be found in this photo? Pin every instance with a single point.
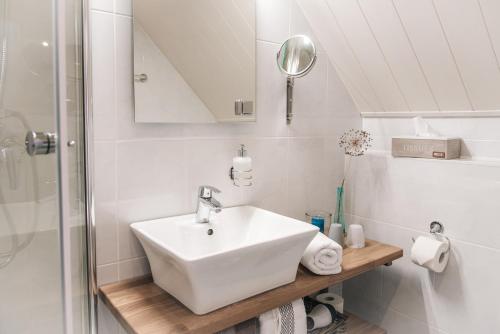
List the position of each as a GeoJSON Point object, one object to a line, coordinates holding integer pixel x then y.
{"type": "Point", "coordinates": [146, 171]}
{"type": "Point", "coordinates": [396, 199]}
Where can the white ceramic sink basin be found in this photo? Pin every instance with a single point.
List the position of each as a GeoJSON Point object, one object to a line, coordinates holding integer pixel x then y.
{"type": "Point", "coordinates": [250, 251]}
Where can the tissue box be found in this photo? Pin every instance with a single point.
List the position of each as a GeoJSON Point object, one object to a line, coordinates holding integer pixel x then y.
{"type": "Point", "coordinates": [430, 148]}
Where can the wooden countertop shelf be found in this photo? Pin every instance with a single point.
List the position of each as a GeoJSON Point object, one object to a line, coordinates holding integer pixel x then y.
{"type": "Point", "coordinates": [144, 308]}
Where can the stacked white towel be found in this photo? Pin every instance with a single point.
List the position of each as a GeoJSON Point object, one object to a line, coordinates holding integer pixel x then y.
{"type": "Point", "coordinates": [286, 319]}
{"type": "Point", "coordinates": [323, 256]}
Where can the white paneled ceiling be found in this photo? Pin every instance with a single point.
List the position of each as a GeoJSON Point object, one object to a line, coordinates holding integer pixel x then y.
{"type": "Point", "coordinates": [413, 56]}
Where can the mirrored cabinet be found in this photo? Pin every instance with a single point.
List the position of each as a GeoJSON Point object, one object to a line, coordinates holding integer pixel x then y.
{"type": "Point", "coordinates": [194, 61]}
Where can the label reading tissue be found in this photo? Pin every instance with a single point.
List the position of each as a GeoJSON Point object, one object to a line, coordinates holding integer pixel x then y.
{"type": "Point", "coordinates": [424, 147]}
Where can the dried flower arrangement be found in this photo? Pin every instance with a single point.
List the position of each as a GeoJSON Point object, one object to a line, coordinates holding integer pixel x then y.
{"type": "Point", "coordinates": [355, 143]}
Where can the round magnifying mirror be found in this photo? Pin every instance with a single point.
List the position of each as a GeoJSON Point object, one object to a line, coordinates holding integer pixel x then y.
{"type": "Point", "coordinates": [297, 56]}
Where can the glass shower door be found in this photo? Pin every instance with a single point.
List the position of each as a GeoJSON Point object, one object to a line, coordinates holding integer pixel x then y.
{"type": "Point", "coordinates": [43, 284]}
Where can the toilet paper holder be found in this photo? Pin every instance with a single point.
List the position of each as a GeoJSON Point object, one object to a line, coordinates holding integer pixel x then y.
{"type": "Point", "coordinates": [437, 230]}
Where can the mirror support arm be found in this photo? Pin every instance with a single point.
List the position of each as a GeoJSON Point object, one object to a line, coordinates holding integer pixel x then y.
{"type": "Point", "coordinates": [289, 99]}
{"type": "Point", "coordinates": [296, 58]}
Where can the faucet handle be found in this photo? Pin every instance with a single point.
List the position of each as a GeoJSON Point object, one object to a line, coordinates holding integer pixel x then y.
{"type": "Point", "coordinates": [206, 191]}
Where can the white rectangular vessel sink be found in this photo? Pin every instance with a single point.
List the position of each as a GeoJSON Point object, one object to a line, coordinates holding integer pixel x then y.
{"type": "Point", "coordinates": [241, 252]}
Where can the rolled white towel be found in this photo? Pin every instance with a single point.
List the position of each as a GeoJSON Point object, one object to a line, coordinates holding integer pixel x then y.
{"type": "Point", "coordinates": [323, 256]}
{"type": "Point", "coordinates": [286, 319]}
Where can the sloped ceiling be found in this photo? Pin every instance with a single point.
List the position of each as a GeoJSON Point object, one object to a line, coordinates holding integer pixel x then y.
{"type": "Point", "coordinates": [413, 56]}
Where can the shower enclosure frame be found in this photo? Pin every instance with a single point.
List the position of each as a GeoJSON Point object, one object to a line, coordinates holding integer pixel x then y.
{"type": "Point", "coordinates": [88, 157]}
{"type": "Point", "coordinates": [89, 167]}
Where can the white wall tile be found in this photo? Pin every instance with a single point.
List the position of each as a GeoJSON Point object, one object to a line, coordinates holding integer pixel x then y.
{"type": "Point", "coordinates": [363, 288]}
{"type": "Point", "coordinates": [133, 268]}
{"type": "Point", "coordinates": [310, 114]}
{"type": "Point", "coordinates": [395, 322]}
{"type": "Point", "coordinates": [141, 209]}
{"type": "Point", "coordinates": [147, 208]}
{"type": "Point", "coordinates": [104, 177]}
{"type": "Point", "coordinates": [152, 168]}
{"type": "Point", "coordinates": [124, 71]}
{"type": "Point", "coordinates": [106, 233]}
{"type": "Point", "coordinates": [103, 69]}
{"type": "Point", "coordinates": [480, 128]}
{"type": "Point", "coordinates": [334, 164]}
{"type": "Point", "coordinates": [107, 273]}
{"type": "Point", "coordinates": [406, 288]}
{"type": "Point", "coordinates": [104, 5]}
{"type": "Point", "coordinates": [463, 297]}
{"type": "Point", "coordinates": [396, 198]}
{"type": "Point", "coordinates": [271, 92]}
{"type": "Point", "coordinates": [123, 7]}
{"type": "Point", "coordinates": [306, 173]}
{"type": "Point", "coordinates": [481, 149]}
{"type": "Point", "coordinates": [129, 246]}
{"type": "Point", "coordinates": [310, 91]}
{"type": "Point", "coordinates": [385, 188]}
{"type": "Point", "coordinates": [389, 127]}
{"type": "Point", "coordinates": [270, 172]}
{"type": "Point", "coordinates": [456, 301]}
{"type": "Point", "coordinates": [208, 162]}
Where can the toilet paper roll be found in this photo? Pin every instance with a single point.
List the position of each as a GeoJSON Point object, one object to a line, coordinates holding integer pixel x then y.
{"type": "Point", "coordinates": [332, 299]}
{"type": "Point", "coordinates": [430, 253]}
{"type": "Point", "coordinates": [320, 316]}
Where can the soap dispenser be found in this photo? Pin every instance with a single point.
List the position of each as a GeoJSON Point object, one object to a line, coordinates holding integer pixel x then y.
{"type": "Point", "coordinates": [241, 171]}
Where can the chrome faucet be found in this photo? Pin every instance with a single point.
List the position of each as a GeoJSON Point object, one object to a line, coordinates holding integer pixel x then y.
{"type": "Point", "coordinates": [207, 204]}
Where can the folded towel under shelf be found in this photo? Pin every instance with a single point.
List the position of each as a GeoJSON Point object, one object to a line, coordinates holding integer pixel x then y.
{"type": "Point", "coordinates": [286, 319]}
{"type": "Point", "coordinates": [323, 256]}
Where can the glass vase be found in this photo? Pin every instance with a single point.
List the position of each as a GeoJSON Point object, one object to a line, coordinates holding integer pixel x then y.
{"type": "Point", "coordinates": [338, 218]}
